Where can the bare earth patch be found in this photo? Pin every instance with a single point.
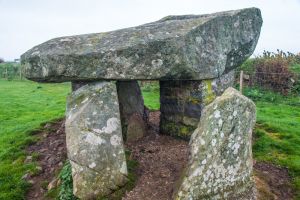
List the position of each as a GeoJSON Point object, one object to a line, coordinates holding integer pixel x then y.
{"type": "Point", "coordinates": [161, 161]}
{"type": "Point", "coordinates": [272, 182]}
{"type": "Point", "coordinates": [51, 153]}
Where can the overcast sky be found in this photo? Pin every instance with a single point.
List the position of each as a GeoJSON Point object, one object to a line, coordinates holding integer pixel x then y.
{"type": "Point", "coordinates": [27, 23]}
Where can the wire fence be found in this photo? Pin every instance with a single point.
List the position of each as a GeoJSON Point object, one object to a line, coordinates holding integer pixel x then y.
{"type": "Point", "coordinates": [11, 71]}
{"type": "Point", "coordinates": [283, 83]}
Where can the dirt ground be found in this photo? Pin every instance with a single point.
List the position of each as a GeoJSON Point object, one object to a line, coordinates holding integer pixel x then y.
{"type": "Point", "coordinates": [161, 160]}
{"type": "Point", "coordinates": [51, 151]}
{"type": "Point", "coordinates": [272, 182]}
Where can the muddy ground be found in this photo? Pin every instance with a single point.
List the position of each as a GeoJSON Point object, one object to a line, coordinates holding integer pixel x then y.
{"type": "Point", "coordinates": [161, 160]}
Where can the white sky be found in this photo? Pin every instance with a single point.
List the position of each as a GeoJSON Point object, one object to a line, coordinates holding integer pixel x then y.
{"type": "Point", "coordinates": [26, 23]}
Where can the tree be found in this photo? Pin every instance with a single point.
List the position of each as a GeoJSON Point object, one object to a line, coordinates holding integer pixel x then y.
{"type": "Point", "coordinates": [1, 60]}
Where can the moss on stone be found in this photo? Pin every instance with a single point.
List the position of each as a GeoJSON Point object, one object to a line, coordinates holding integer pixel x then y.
{"type": "Point", "coordinates": [209, 95]}
{"type": "Point", "coordinates": [194, 100]}
{"type": "Point", "coordinates": [177, 130]}
{"type": "Point", "coordinates": [169, 127]}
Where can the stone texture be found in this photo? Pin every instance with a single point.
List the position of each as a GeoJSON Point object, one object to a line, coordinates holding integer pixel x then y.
{"type": "Point", "coordinates": [94, 140]}
{"type": "Point", "coordinates": [133, 114]}
{"type": "Point", "coordinates": [181, 103]}
{"type": "Point", "coordinates": [220, 162]}
{"type": "Point", "coordinates": [189, 47]}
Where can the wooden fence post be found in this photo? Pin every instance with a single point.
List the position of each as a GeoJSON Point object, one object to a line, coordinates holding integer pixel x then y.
{"type": "Point", "coordinates": [241, 81]}
{"type": "Point", "coordinates": [20, 73]}
{"type": "Point", "coordinates": [6, 73]}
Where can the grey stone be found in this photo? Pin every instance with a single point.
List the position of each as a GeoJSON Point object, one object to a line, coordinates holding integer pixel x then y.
{"type": "Point", "coordinates": [94, 140]}
{"type": "Point", "coordinates": [189, 47]}
{"type": "Point", "coordinates": [181, 102]}
{"type": "Point", "coordinates": [133, 114]}
{"type": "Point", "coordinates": [220, 162]}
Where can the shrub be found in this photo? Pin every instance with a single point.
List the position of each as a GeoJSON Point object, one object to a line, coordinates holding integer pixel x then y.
{"type": "Point", "coordinates": [278, 72]}
{"type": "Point", "coordinates": [273, 73]}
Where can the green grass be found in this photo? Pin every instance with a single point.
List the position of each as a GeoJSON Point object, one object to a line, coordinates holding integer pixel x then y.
{"type": "Point", "coordinates": [24, 105]}
{"type": "Point", "coordinates": [295, 68]}
{"type": "Point", "coordinates": [151, 95]}
{"type": "Point", "coordinates": [277, 133]}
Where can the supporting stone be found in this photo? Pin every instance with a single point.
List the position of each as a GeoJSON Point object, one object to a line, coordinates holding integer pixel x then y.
{"type": "Point", "coordinates": [94, 140]}
{"type": "Point", "coordinates": [134, 116]}
{"type": "Point", "coordinates": [220, 162]}
{"type": "Point", "coordinates": [181, 103]}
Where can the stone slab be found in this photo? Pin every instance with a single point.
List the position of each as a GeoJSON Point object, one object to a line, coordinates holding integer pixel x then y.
{"type": "Point", "coordinates": [188, 47]}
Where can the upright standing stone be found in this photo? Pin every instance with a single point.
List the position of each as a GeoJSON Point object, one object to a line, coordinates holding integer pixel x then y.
{"type": "Point", "coordinates": [132, 109]}
{"type": "Point", "coordinates": [94, 140]}
{"type": "Point", "coordinates": [181, 102]}
{"type": "Point", "coordinates": [220, 162]}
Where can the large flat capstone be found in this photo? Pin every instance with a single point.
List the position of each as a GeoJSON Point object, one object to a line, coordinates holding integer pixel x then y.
{"type": "Point", "coordinates": [189, 47]}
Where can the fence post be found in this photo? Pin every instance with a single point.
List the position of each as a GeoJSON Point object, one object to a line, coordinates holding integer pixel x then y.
{"type": "Point", "coordinates": [20, 73]}
{"type": "Point", "coordinates": [6, 73]}
{"type": "Point", "coordinates": [241, 81]}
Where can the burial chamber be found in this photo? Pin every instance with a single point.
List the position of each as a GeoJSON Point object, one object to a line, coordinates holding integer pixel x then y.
{"type": "Point", "coordinates": [193, 57]}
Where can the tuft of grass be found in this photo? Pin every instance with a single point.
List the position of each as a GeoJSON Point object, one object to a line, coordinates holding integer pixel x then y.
{"type": "Point", "coordinates": [24, 105]}
{"type": "Point", "coordinates": [66, 187]}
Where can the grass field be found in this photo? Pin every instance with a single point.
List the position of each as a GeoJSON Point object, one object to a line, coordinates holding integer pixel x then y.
{"type": "Point", "coordinates": [277, 132]}
{"type": "Point", "coordinates": [24, 105]}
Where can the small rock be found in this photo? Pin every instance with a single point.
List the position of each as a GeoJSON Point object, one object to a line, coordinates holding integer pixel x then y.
{"type": "Point", "coordinates": [48, 125]}
{"type": "Point", "coordinates": [28, 159]}
{"type": "Point", "coordinates": [25, 176]}
{"type": "Point", "coordinates": [165, 173]}
{"type": "Point", "coordinates": [58, 182]}
{"type": "Point", "coordinates": [52, 184]}
{"type": "Point", "coordinates": [45, 135]}
{"type": "Point", "coordinates": [39, 168]}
